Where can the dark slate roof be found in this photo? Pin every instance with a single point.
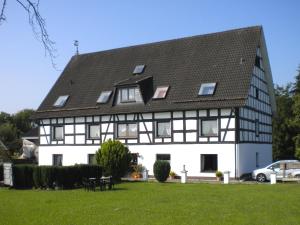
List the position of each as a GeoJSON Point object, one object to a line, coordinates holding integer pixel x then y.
{"type": "Point", "coordinates": [183, 64]}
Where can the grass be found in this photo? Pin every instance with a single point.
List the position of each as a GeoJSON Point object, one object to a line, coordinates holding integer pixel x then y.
{"type": "Point", "coordinates": [155, 203]}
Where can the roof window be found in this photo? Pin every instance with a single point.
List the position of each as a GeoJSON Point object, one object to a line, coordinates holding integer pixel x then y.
{"type": "Point", "coordinates": [61, 101]}
{"type": "Point", "coordinates": [161, 92]}
{"type": "Point", "coordinates": [104, 97]}
{"type": "Point", "coordinates": [207, 89]}
{"type": "Point", "coordinates": [139, 69]}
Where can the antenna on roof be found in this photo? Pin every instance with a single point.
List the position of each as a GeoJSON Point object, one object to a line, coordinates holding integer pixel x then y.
{"type": "Point", "coordinates": [76, 44]}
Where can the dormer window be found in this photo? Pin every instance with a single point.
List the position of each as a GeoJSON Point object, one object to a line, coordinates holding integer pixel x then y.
{"type": "Point", "coordinates": [161, 92]}
{"type": "Point", "coordinates": [207, 89]}
{"type": "Point", "coordinates": [104, 97]}
{"type": "Point", "coordinates": [128, 94]}
{"type": "Point", "coordinates": [61, 101]}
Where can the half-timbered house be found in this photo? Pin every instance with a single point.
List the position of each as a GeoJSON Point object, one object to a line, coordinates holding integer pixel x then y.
{"type": "Point", "coordinates": [204, 101]}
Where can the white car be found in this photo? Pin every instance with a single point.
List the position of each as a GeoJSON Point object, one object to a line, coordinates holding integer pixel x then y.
{"type": "Point", "coordinates": [263, 174]}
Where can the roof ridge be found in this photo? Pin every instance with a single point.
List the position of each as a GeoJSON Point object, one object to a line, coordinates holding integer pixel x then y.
{"type": "Point", "coordinates": [257, 27]}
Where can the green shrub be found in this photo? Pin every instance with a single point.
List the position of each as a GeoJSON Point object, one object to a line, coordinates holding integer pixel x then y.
{"type": "Point", "coordinates": [66, 177]}
{"type": "Point", "coordinates": [23, 176]}
{"type": "Point", "coordinates": [219, 174]}
{"type": "Point", "coordinates": [36, 176]}
{"type": "Point", "coordinates": [1, 172]}
{"type": "Point", "coordinates": [48, 176]}
{"type": "Point", "coordinates": [88, 171]}
{"type": "Point", "coordinates": [114, 158]}
{"type": "Point", "coordinates": [161, 169]}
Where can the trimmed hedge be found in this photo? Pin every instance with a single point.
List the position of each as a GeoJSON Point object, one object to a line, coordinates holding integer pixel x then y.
{"type": "Point", "coordinates": [1, 172]}
{"type": "Point", "coordinates": [161, 170]}
{"type": "Point", "coordinates": [66, 177]}
{"type": "Point", "coordinates": [23, 176]}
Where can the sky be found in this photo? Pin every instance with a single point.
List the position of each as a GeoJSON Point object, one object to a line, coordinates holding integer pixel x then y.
{"type": "Point", "coordinates": [27, 75]}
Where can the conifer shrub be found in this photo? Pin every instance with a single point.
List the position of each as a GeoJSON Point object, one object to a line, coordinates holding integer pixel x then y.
{"type": "Point", "coordinates": [161, 169]}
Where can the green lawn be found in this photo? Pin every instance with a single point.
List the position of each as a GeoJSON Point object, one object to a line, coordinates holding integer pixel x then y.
{"type": "Point", "coordinates": [155, 203]}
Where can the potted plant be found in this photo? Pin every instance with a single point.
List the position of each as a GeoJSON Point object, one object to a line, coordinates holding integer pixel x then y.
{"type": "Point", "coordinates": [219, 175]}
{"type": "Point", "coordinates": [137, 171]}
{"type": "Point", "coordinates": [172, 175]}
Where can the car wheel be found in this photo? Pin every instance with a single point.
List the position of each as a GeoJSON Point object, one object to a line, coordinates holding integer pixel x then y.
{"type": "Point", "coordinates": [261, 177]}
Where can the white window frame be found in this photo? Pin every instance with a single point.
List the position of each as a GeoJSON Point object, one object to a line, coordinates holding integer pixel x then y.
{"type": "Point", "coordinates": [54, 138]}
{"type": "Point", "coordinates": [89, 131]}
{"type": "Point", "coordinates": [127, 99]}
{"type": "Point", "coordinates": [201, 127]}
{"type": "Point", "coordinates": [127, 136]}
{"type": "Point", "coordinates": [160, 122]}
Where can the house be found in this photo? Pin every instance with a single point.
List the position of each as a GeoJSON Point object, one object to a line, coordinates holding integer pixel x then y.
{"type": "Point", "coordinates": [205, 102]}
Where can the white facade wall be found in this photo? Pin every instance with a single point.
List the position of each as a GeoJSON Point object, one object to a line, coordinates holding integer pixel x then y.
{"type": "Point", "coordinates": [181, 154]}
{"type": "Point", "coordinates": [247, 157]}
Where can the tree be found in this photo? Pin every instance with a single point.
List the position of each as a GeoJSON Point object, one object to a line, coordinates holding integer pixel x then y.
{"type": "Point", "coordinates": [22, 121]}
{"type": "Point", "coordinates": [13, 126]}
{"type": "Point", "coordinates": [37, 23]}
{"type": "Point", "coordinates": [8, 135]}
{"type": "Point", "coordinates": [296, 85]}
{"type": "Point", "coordinates": [114, 157]}
{"type": "Point", "coordinates": [283, 132]}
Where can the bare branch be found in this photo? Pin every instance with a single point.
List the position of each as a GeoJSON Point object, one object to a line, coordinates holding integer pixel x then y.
{"type": "Point", "coordinates": [38, 25]}
{"type": "Point", "coordinates": [2, 16]}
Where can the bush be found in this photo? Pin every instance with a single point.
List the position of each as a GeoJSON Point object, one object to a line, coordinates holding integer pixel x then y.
{"type": "Point", "coordinates": [1, 172]}
{"type": "Point", "coordinates": [114, 158]}
{"type": "Point", "coordinates": [48, 176]}
{"type": "Point", "coordinates": [161, 170]}
{"type": "Point", "coordinates": [65, 177]}
{"type": "Point", "coordinates": [23, 176]}
{"type": "Point", "coordinates": [36, 176]}
{"type": "Point", "coordinates": [88, 171]}
{"type": "Point", "coordinates": [219, 174]}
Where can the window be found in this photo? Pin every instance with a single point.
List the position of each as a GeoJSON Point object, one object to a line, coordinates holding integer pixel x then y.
{"type": "Point", "coordinates": [165, 157]}
{"type": "Point", "coordinates": [58, 133]}
{"type": "Point", "coordinates": [139, 69]}
{"type": "Point", "coordinates": [128, 95]}
{"type": "Point", "coordinates": [256, 127]}
{"type": "Point", "coordinates": [256, 93]}
{"type": "Point", "coordinates": [209, 128]}
{"type": "Point", "coordinates": [257, 62]}
{"type": "Point", "coordinates": [91, 159]}
{"type": "Point", "coordinates": [57, 159]}
{"type": "Point", "coordinates": [257, 159]}
{"type": "Point", "coordinates": [94, 131]}
{"type": "Point", "coordinates": [209, 163]}
{"type": "Point", "coordinates": [127, 130]}
{"type": "Point", "coordinates": [163, 129]}
{"type": "Point", "coordinates": [104, 97]}
{"type": "Point", "coordinates": [161, 92]}
{"type": "Point", "coordinates": [61, 101]}
{"type": "Point", "coordinates": [207, 89]}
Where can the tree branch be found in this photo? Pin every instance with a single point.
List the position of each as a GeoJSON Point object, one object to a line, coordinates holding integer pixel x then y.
{"type": "Point", "coordinates": [2, 16]}
{"type": "Point", "coordinates": [38, 25]}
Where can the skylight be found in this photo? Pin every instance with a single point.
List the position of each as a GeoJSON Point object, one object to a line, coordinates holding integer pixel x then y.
{"type": "Point", "coordinates": [139, 69]}
{"type": "Point", "coordinates": [161, 92]}
{"type": "Point", "coordinates": [61, 101]}
{"type": "Point", "coordinates": [104, 97]}
{"type": "Point", "coordinates": [207, 89]}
